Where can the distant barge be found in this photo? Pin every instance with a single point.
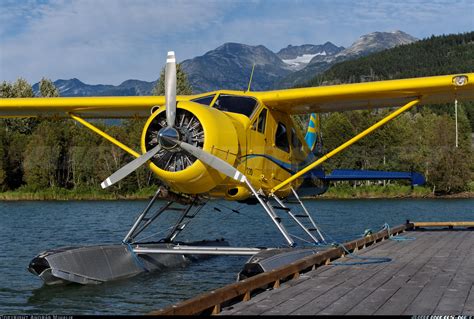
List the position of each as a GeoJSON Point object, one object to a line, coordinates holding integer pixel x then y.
{"type": "Point", "coordinates": [428, 269]}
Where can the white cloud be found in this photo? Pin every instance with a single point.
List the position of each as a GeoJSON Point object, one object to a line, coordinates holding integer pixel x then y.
{"type": "Point", "coordinates": [101, 40]}
{"type": "Point", "coordinates": [109, 41]}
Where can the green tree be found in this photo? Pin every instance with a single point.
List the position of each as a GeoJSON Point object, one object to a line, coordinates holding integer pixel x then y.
{"type": "Point", "coordinates": [182, 85]}
{"type": "Point", "coordinates": [3, 174]}
{"type": "Point", "coordinates": [336, 128]}
{"type": "Point", "coordinates": [451, 167]}
{"type": "Point", "coordinates": [46, 161]}
{"type": "Point", "coordinates": [47, 88]}
{"type": "Point", "coordinates": [19, 89]}
{"type": "Point", "coordinates": [83, 154]}
{"type": "Point", "coordinates": [6, 90]}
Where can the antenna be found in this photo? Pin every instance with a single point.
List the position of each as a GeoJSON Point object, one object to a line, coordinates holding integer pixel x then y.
{"type": "Point", "coordinates": [456, 119]}
{"type": "Point", "coordinates": [251, 76]}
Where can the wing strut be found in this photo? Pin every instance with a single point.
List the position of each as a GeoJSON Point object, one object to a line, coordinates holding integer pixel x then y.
{"type": "Point", "coordinates": [104, 135]}
{"type": "Point", "coordinates": [347, 144]}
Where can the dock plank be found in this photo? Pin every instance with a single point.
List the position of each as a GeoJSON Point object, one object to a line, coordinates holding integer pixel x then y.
{"type": "Point", "coordinates": [390, 279]}
{"type": "Point", "coordinates": [429, 297]}
{"type": "Point", "coordinates": [354, 297]}
{"type": "Point", "coordinates": [468, 308]}
{"type": "Point", "coordinates": [396, 276]}
{"type": "Point", "coordinates": [454, 298]}
{"type": "Point", "coordinates": [317, 305]}
{"type": "Point", "coordinates": [289, 300]}
{"type": "Point", "coordinates": [432, 274]}
{"type": "Point", "coordinates": [417, 274]}
{"type": "Point", "coordinates": [325, 280]}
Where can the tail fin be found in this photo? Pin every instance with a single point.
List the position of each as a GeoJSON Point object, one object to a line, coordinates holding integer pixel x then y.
{"type": "Point", "coordinates": [313, 134]}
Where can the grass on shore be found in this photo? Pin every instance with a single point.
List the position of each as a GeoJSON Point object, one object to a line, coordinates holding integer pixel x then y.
{"type": "Point", "coordinates": [74, 194]}
{"type": "Point", "coordinates": [334, 192]}
{"type": "Point", "coordinates": [341, 191]}
{"type": "Point", "coordinates": [377, 191]}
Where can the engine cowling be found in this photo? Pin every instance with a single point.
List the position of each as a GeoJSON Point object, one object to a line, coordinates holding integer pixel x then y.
{"type": "Point", "coordinates": [201, 126]}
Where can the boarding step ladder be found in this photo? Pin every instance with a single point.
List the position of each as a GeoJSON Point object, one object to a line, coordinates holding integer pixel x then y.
{"type": "Point", "coordinates": [302, 218]}
{"type": "Point", "coordinates": [146, 218]}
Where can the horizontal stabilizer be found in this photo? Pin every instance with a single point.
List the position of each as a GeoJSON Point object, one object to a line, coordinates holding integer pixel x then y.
{"type": "Point", "coordinates": [351, 174]}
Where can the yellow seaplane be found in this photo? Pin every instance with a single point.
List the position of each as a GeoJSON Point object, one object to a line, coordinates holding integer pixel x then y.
{"type": "Point", "coordinates": [237, 145]}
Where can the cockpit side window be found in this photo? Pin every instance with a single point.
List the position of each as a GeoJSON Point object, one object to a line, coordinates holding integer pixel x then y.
{"type": "Point", "coordinates": [236, 104]}
{"type": "Point", "coordinates": [281, 138]}
{"type": "Point", "coordinates": [259, 124]}
{"type": "Point", "coordinates": [205, 100]}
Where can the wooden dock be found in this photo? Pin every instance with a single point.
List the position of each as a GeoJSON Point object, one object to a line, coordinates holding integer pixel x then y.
{"type": "Point", "coordinates": [431, 271]}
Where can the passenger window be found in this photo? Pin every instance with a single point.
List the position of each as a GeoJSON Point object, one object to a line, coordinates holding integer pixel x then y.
{"type": "Point", "coordinates": [259, 124]}
{"type": "Point", "coordinates": [281, 138]}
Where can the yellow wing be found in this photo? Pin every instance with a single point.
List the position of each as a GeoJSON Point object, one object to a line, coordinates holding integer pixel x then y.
{"type": "Point", "coordinates": [87, 107]}
{"type": "Point", "coordinates": [431, 90]}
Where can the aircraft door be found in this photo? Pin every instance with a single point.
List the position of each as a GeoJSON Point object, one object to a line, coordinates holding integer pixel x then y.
{"type": "Point", "coordinates": [278, 165]}
{"type": "Point", "coordinates": [257, 144]}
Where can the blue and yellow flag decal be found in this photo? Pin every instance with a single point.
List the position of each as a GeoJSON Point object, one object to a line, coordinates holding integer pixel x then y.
{"type": "Point", "coordinates": [312, 134]}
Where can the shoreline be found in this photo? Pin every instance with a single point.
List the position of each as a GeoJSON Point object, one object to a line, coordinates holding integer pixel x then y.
{"type": "Point", "coordinates": [332, 194]}
{"type": "Point", "coordinates": [463, 195]}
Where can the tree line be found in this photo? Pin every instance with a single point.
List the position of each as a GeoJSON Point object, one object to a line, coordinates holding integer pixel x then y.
{"type": "Point", "coordinates": [39, 153]}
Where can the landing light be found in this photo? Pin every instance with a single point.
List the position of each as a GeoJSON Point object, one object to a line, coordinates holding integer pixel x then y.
{"type": "Point", "coordinates": [460, 80]}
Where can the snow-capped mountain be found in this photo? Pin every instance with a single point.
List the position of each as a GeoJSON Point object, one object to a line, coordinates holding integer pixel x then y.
{"type": "Point", "coordinates": [365, 45]}
{"type": "Point", "coordinates": [229, 66]}
{"type": "Point", "coordinates": [297, 57]}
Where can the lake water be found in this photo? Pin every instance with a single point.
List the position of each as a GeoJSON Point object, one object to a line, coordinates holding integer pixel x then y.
{"type": "Point", "coordinates": [28, 228]}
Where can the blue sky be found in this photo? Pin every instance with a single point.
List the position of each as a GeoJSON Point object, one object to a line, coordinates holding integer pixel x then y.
{"type": "Point", "coordinates": [109, 41]}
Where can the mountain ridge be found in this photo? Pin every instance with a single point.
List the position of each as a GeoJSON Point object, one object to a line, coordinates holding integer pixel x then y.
{"type": "Point", "coordinates": [365, 45]}
{"type": "Point", "coordinates": [229, 66]}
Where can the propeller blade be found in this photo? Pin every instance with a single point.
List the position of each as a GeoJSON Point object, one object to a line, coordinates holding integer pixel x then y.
{"type": "Point", "coordinates": [170, 88]}
{"type": "Point", "coordinates": [211, 160]}
{"type": "Point", "coordinates": [130, 167]}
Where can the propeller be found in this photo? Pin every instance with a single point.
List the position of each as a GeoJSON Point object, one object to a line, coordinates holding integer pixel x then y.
{"type": "Point", "coordinates": [170, 99]}
{"type": "Point", "coordinates": [170, 89]}
{"type": "Point", "coordinates": [169, 137]}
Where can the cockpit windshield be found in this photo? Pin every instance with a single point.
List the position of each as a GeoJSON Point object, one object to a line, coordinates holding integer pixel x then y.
{"type": "Point", "coordinates": [236, 104]}
{"type": "Point", "coordinates": [205, 100]}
